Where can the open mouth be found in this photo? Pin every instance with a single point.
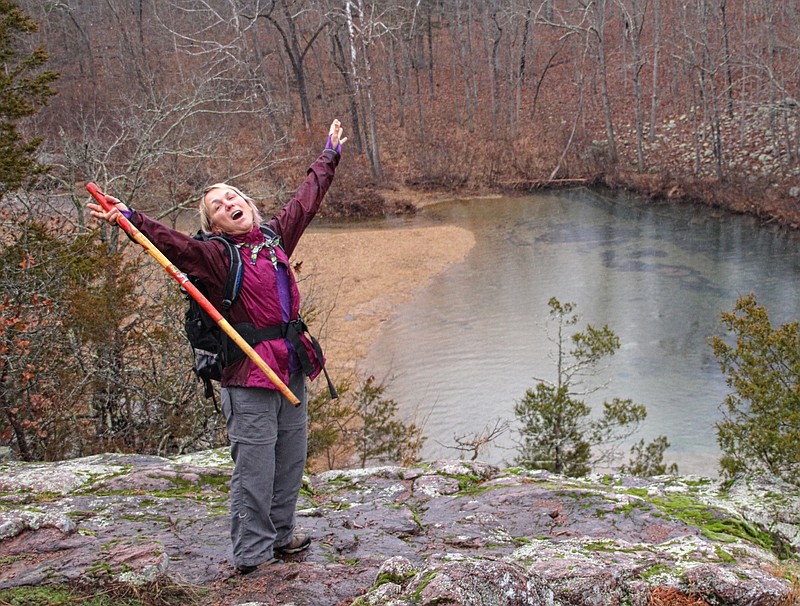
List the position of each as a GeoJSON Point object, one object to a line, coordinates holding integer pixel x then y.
{"type": "Point", "coordinates": [236, 215]}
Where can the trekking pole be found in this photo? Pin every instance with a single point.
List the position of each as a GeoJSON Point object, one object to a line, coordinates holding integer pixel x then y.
{"type": "Point", "coordinates": [140, 238]}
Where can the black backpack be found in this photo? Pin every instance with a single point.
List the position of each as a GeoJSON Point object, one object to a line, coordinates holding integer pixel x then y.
{"type": "Point", "coordinates": [212, 348]}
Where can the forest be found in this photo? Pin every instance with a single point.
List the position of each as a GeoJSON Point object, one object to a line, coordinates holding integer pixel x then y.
{"type": "Point", "coordinates": [695, 101]}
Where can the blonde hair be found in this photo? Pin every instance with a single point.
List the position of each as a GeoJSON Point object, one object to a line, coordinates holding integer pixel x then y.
{"type": "Point", "coordinates": [205, 219]}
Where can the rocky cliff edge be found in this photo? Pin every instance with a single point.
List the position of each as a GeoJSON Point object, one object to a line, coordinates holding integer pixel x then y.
{"type": "Point", "coordinates": [446, 532]}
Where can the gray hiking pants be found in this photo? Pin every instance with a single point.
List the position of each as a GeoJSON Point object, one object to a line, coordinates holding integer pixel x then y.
{"type": "Point", "coordinates": [268, 438]}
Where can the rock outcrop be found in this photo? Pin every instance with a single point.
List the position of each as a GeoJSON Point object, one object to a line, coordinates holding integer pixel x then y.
{"type": "Point", "coordinates": [447, 532]}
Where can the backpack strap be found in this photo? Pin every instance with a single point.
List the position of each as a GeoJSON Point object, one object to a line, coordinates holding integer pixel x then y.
{"type": "Point", "coordinates": [270, 234]}
{"type": "Point", "coordinates": [233, 282]}
{"type": "Point", "coordinates": [235, 272]}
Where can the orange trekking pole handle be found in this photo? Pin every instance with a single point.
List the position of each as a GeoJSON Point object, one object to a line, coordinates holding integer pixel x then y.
{"type": "Point", "coordinates": [140, 238]}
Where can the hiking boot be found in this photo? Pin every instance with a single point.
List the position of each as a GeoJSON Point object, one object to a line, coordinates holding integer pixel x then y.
{"type": "Point", "coordinates": [299, 543]}
{"type": "Point", "coordinates": [244, 569]}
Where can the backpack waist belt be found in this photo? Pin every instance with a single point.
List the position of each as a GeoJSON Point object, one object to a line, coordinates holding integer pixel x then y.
{"type": "Point", "coordinates": [290, 331]}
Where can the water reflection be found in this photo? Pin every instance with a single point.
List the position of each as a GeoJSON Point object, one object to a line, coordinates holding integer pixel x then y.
{"type": "Point", "coordinates": [468, 346]}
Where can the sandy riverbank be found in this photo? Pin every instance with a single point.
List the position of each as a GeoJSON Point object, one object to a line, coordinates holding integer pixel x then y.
{"type": "Point", "coordinates": [357, 279]}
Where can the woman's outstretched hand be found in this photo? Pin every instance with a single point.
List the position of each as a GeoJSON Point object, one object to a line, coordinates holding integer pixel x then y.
{"type": "Point", "coordinates": [110, 217]}
{"type": "Point", "coordinates": [335, 139]}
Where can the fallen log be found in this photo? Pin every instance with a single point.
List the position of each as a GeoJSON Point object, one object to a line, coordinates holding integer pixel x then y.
{"type": "Point", "coordinates": [532, 184]}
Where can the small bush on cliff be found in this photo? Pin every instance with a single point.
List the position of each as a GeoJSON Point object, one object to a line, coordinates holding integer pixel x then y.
{"type": "Point", "coordinates": [557, 432]}
{"type": "Point", "coordinates": [360, 427]}
{"type": "Point", "coordinates": [760, 431]}
{"type": "Point", "coordinates": [91, 358]}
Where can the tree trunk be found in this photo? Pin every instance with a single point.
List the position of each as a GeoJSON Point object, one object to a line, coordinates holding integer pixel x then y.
{"type": "Point", "coordinates": [462, 31]}
{"type": "Point", "coordinates": [338, 56]}
{"type": "Point", "coordinates": [362, 77]}
{"type": "Point", "coordinates": [634, 13]}
{"type": "Point", "coordinates": [656, 52]}
{"type": "Point", "coordinates": [519, 76]}
{"type": "Point", "coordinates": [598, 31]}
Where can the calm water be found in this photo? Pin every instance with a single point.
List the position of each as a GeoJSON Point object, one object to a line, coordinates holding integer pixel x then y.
{"type": "Point", "coordinates": [463, 351]}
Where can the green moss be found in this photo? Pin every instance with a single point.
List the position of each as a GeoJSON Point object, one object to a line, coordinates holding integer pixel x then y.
{"type": "Point", "coordinates": [183, 485]}
{"type": "Point", "coordinates": [43, 595]}
{"type": "Point", "coordinates": [342, 480]}
{"type": "Point", "coordinates": [48, 496]}
{"type": "Point", "coordinates": [468, 484]}
{"type": "Point", "coordinates": [398, 579]}
{"type": "Point", "coordinates": [78, 514]}
{"type": "Point", "coordinates": [609, 480]}
{"type": "Point", "coordinates": [697, 483]}
{"type": "Point", "coordinates": [791, 572]}
{"type": "Point", "coordinates": [698, 514]}
{"type": "Point", "coordinates": [219, 481]}
{"type": "Point", "coordinates": [605, 546]}
{"type": "Point", "coordinates": [157, 593]}
{"type": "Point", "coordinates": [336, 505]}
{"type": "Point", "coordinates": [655, 570]}
{"type": "Point", "coordinates": [723, 555]}
{"type": "Point", "coordinates": [218, 510]}
{"type": "Point", "coordinates": [182, 488]}
{"type": "Point", "coordinates": [628, 508]}
{"type": "Point", "coordinates": [424, 582]}
{"type": "Point", "coordinates": [728, 531]}
{"type": "Point", "coordinates": [8, 560]}
{"type": "Point", "coordinates": [415, 515]}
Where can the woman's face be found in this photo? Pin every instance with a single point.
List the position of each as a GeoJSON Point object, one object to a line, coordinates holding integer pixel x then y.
{"type": "Point", "coordinates": [228, 211]}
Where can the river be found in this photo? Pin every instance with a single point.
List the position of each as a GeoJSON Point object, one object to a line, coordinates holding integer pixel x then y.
{"type": "Point", "coordinates": [466, 348]}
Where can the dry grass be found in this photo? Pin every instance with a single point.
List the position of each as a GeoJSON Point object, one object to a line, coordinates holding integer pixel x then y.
{"type": "Point", "coordinates": [669, 596]}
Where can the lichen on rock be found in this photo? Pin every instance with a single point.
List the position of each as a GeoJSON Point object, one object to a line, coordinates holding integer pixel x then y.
{"type": "Point", "coordinates": [440, 532]}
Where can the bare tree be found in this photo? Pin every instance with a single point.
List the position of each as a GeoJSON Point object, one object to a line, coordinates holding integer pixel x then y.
{"type": "Point", "coordinates": [477, 442]}
{"type": "Point", "coordinates": [365, 27]}
{"type": "Point", "coordinates": [597, 12]}
{"type": "Point", "coordinates": [341, 59]}
{"type": "Point", "coordinates": [462, 32]}
{"type": "Point", "coordinates": [634, 12]}
{"type": "Point", "coordinates": [299, 24]}
{"type": "Point", "coordinates": [702, 65]}
{"type": "Point", "coordinates": [655, 68]}
{"type": "Point", "coordinates": [165, 136]}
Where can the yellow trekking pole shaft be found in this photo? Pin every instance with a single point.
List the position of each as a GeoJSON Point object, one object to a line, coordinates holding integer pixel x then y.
{"type": "Point", "coordinates": [190, 288]}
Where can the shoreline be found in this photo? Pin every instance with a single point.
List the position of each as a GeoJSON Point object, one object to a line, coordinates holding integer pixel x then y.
{"type": "Point", "coordinates": [353, 282]}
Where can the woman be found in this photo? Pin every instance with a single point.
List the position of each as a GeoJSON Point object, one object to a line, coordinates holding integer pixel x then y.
{"type": "Point", "coordinates": [267, 433]}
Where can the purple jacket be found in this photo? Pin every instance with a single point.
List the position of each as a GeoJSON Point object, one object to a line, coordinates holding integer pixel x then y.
{"type": "Point", "coordinates": [258, 301]}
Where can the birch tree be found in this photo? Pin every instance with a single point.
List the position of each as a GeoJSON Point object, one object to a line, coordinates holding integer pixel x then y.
{"type": "Point", "coordinates": [634, 12]}
{"type": "Point", "coordinates": [365, 27]}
